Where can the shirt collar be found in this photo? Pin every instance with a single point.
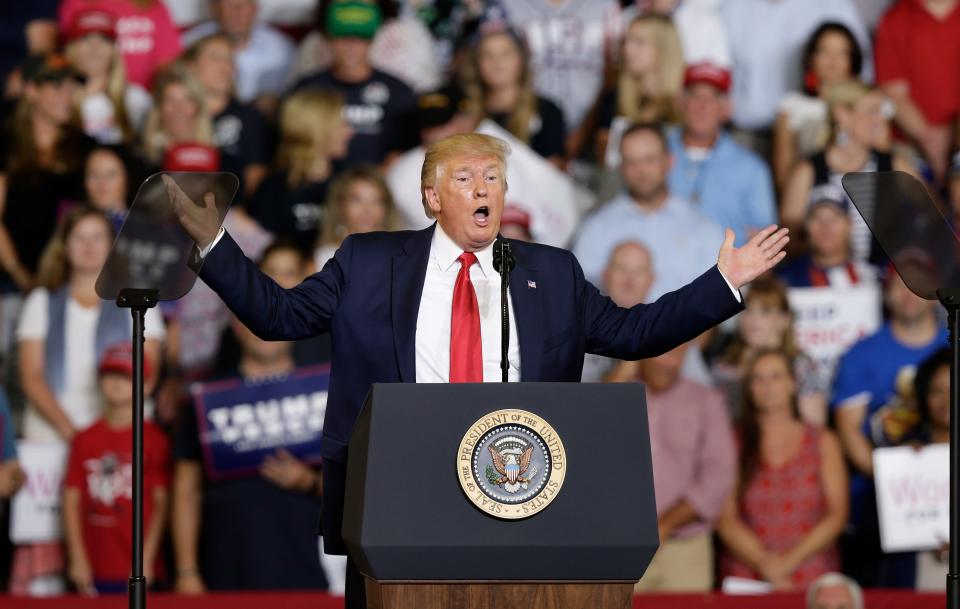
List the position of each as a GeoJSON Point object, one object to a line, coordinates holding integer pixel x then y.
{"type": "Point", "coordinates": [444, 253]}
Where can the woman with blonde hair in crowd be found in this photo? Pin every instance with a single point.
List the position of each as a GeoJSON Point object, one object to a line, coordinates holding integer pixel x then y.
{"type": "Point", "coordinates": [790, 505]}
{"type": "Point", "coordinates": [360, 202]}
{"type": "Point", "coordinates": [313, 135]}
{"type": "Point", "coordinates": [767, 323]}
{"type": "Point", "coordinates": [112, 110]}
{"type": "Point", "coordinates": [859, 117]}
{"type": "Point", "coordinates": [650, 79]}
{"type": "Point", "coordinates": [498, 84]}
{"type": "Point", "coordinates": [179, 116]}
{"type": "Point", "coordinates": [63, 331]}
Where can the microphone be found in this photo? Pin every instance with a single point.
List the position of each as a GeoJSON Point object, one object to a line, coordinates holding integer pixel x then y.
{"type": "Point", "coordinates": [503, 262]}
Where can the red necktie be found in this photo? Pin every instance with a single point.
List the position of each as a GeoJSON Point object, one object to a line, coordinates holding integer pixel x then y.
{"type": "Point", "coordinates": [466, 354]}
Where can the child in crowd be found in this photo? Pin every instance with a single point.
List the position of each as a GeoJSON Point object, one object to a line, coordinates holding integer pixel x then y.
{"type": "Point", "coordinates": [97, 496]}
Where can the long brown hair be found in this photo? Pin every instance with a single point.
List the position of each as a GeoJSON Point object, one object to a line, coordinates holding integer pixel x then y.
{"type": "Point", "coordinates": [519, 119]}
{"type": "Point", "coordinates": [333, 214]}
{"type": "Point", "coordinates": [54, 268]}
{"type": "Point", "coordinates": [25, 156]}
{"type": "Point", "coordinates": [770, 289]}
{"type": "Point", "coordinates": [748, 427]}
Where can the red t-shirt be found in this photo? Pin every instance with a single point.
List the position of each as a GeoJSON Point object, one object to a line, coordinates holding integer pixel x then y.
{"type": "Point", "coordinates": [147, 37]}
{"type": "Point", "coordinates": [101, 468]}
{"type": "Point", "coordinates": [914, 46]}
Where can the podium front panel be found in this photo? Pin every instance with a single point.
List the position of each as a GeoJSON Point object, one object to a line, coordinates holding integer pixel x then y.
{"type": "Point", "coordinates": [406, 516]}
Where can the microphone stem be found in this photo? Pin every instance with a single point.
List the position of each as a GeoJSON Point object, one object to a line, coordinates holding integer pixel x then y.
{"type": "Point", "coordinates": [504, 310]}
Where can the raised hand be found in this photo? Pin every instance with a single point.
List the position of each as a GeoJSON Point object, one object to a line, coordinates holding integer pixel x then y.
{"type": "Point", "coordinates": [742, 265]}
{"type": "Point", "coordinates": [200, 220]}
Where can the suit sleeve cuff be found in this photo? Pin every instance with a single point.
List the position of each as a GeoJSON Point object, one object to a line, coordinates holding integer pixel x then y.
{"type": "Point", "coordinates": [736, 292]}
{"type": "Point", "coordinates": [216, 240]}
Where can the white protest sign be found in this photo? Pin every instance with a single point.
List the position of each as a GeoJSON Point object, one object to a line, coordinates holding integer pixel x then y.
{"type": "Point", "coordinates": [830, 320]}
{"type": "Point", "coordinates": [913, 496]}
{"type": "Point", "coordinates": [35, 510]}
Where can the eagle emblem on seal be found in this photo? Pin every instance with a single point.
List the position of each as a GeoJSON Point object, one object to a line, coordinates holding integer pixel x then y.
{"type": "Point", "coordinates": [511, 463]}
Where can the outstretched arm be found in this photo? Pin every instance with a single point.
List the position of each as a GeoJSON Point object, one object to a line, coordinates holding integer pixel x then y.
{"type": "Point", "coordinates": [647, 330]}
{"type": "Point", "coordinates": [271, 312]}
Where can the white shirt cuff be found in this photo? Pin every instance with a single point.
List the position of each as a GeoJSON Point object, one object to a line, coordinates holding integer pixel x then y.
{"type": "Point", "coordinates": [216, 240]}
{"type": "Point", "coordinates": [736, 292]}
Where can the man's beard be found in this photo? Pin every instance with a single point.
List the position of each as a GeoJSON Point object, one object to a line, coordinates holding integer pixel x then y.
{"type": "Point", "coordinates": [647, 195]}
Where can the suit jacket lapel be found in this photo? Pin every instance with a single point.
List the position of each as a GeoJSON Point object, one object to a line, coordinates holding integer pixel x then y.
{"type": "Point", "coordinates": [409, 270]}
{"type": "Point", "coordinates": [527, 307]}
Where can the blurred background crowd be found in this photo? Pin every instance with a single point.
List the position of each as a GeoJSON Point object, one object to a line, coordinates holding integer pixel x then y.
{"type": "Point", "coordinates": [639, 131]}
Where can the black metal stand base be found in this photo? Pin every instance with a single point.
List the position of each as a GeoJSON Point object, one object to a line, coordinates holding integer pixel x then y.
{"type": "Point", "coordinates": [137, 592]}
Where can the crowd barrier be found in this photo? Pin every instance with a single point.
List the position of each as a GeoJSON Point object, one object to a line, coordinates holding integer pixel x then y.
{"type": "Point", "coordinates": [875, 599]}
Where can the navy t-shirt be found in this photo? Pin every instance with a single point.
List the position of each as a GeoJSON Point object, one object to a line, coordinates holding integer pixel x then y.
{"type": "Point", "coordinates": [547, 129]}
{"type": "Point", "coordinates": [294, 213]}
{"type": "Point", "coordinates": [381, 111]}
{"type": "Point", "coordinates": [239, 132]}
{"type": "Point", "coordinates": [255, 535]}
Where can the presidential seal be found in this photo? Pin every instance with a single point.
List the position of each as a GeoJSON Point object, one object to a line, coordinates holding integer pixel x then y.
{"type": "Point", "coordinates": [511, 464]}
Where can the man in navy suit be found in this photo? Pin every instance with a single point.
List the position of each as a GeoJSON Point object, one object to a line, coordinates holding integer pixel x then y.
{"type": "Point", "coordinates": [424, 306]}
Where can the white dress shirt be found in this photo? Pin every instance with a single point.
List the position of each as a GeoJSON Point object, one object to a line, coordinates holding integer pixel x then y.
{"type": "Point", "coordinates": [436, 308]}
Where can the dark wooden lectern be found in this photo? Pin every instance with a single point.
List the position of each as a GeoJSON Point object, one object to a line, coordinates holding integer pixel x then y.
{"type": "Point", "coordinates": [422, 544]}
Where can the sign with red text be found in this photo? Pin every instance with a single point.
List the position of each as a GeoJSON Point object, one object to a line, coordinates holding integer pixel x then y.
{"type": "Point", "coordinates": [830, 320]}
{"type": "Point", "coordinates": [913, 497]}
{"type": "Point", "coordinates": [35, 510]}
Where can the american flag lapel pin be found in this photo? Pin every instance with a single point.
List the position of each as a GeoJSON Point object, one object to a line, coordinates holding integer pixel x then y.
{"type": "Point", "coordinates": [531, 284]}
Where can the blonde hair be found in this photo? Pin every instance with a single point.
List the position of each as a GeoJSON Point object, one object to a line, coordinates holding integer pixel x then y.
{"type": "Point", "coordinates": [519, 119]}
{"type": "Point", "coordinates": [54, 268]}
{"type": "Point", "coordinates": [155, 140]}
{"type": "Point", "coordinates": [308, 120]}
{"type": "Point", "coordinates": [636, 103]}
{"type": "Point", "coordinates": [333, 208]}
{"type": "Point", "coordinates": [472, 145]}
{"type": "Point", "coordinates": [116, 89]}
{"type": "Point", "coordinates": [846, 94]}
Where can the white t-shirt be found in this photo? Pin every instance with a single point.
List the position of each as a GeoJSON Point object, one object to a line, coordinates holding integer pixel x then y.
{"type": "Point", "coordinates": [80, 396]}
{"type": "Point", "coordinates": [99, 117]}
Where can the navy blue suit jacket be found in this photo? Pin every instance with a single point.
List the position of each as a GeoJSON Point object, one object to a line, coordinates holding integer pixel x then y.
{"type": "Point", "coordinates": [368, 296]}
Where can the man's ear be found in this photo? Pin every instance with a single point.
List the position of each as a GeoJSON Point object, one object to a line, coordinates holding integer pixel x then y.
{"type": "Point", "coordinates": [433, 199]}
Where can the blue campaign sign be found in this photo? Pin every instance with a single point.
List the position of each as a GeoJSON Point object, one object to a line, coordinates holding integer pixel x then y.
{"type": "Point", "coordinates": [242, 422]}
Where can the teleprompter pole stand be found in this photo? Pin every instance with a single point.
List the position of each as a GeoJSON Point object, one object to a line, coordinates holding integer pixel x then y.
{"type": "Point", "coordinates": [138, 301]}
{"type": "Point", "coordinates": [950, 298]}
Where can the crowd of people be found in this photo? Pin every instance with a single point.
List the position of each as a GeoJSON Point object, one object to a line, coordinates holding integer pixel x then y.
{"type": "Point", "coordinates": [640, 130]}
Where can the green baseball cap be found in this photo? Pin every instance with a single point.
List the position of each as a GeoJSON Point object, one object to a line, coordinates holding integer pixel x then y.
{"type": "Point", "coordinates": [353, 19]}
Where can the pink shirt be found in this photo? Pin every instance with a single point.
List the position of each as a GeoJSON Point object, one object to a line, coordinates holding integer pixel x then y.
{"type": "Point", "coordinates": [693, 451]}
{"type": "Point", "coordinates": [147, 37]}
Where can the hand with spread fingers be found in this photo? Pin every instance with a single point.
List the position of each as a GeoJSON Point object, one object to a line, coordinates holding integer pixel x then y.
{"type": "Point", "coordinates": [741, 265]}
{"type": "Point", "coordinates": [200, 220]}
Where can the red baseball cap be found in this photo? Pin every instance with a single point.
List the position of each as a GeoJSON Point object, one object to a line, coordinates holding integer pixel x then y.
{"type": "Point", "coordinates": [192, 157]}
{"type": "Point", "coordinates": [516, 216]}
{"type": "Point", "coordinates": [92, 22]}
{"type": "Point", "coordinates": [118, 359]}
{"type": "Point", "coordinates": [707, 73]}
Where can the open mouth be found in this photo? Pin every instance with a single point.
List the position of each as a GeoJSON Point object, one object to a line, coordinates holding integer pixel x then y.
{"type": "Point", "coordinates": [481, 215]}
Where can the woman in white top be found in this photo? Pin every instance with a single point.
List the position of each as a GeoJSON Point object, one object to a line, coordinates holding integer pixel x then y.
{"type": "Point", "coordinates": [112, 110]}
{"type": "Point", "coordinates": [65, 327]}
{"type": "Point", "coordinates": [359, 202]}
{"type": "Point", "coordinates": [832, 56]}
